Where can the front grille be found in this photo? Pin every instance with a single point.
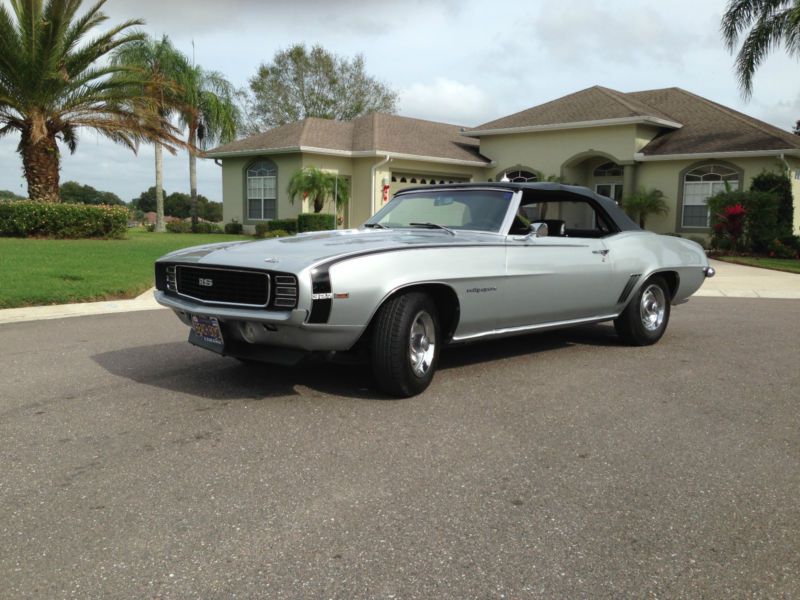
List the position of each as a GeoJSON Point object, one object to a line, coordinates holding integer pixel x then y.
{"type": "Point", "coordinates": [222, 286]}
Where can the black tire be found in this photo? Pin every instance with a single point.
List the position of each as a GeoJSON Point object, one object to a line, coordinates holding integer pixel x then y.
{"type": "Point", "coordinates": [405, 344]}
{"type": "Point", "coordinates": [645, 319]}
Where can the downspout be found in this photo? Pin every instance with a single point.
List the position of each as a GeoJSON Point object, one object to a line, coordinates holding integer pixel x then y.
{"type": "Point", "coordinates": [218, 162]}
{"type": "Point", "coordinates": [372, 193]}
{"type": "Point", "coordinates": [786, 164]}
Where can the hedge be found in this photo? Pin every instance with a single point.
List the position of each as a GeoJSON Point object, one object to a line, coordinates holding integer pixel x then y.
{"type": "Point", "coordinates": [315, 222]}
{"type": "Point", "coordinates": [186, 227]}
{"type": "Point", "coordinates": [288, 225]}
{"type": "Point", "coordinates": [25, 218]}
{"type": "Point", "coordinates": [234, 227]}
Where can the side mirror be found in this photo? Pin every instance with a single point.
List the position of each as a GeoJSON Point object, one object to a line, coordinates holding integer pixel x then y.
{"type": "Point", "coordinates": [538, 230]}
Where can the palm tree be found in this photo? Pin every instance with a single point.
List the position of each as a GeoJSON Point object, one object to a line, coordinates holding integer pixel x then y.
{"type": "Point", "coordinates": [644, 203]}
{"type": "Point", "coordinates": [52, 83]}
{"type": "Point", "coordinates": [318, 187]}
{"type": "Point", "coordinates": [161, 65]}
{"type": "Point", "coordinates": [210, 112]}
{"type": "Point", "coordinates": [771, 23]}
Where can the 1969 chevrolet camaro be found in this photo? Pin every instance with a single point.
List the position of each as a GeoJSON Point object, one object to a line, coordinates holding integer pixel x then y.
{"type": "Point", "coordinates": [435, 266]}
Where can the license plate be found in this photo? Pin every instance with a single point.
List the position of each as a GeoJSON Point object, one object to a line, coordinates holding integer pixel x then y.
{"type": "Point", "coordinates": [207, 329]}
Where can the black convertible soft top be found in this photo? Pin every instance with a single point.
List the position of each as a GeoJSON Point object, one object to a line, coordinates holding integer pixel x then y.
{"type": "Point", "coordinates": [622, 221]}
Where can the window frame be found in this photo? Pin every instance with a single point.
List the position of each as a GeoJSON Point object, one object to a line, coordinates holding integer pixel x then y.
{"type": "Point", "coordinates": [270, 165]}
{"type": "Point", "coordinates": [680, 227]}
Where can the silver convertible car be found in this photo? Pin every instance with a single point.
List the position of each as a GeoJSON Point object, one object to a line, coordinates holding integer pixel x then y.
{"type": "Point", "coordinates": [435, 266]}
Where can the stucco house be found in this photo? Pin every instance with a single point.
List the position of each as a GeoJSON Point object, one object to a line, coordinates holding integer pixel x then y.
{"type": "Point", "coordinates": [613, 142]}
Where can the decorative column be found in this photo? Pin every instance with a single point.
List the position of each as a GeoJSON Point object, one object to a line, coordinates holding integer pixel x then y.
{"type": "Point", "coordinates": [628, 179]}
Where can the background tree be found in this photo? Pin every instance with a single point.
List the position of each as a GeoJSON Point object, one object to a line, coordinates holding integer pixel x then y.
{"type": "Point", "coordinates": [52, 84]}
{"type": "Point", "coordinates": [319, 187]}
{"type": "Point", "coordinates": [763, 25]}
{"type": "Point", "coordinates": [74, 192]}
{"type": "Point", "coordinates": [643, 203]}
{"type": "Point", "coordinates": [210, 112]}
{"type": "Point", "coordinates": [178, 204]}
{"type": "Point", "coordinates": [9, 195]}
{"type": "Point", "coordinates": [299, 83]}
{"type": "Point", "coordinates": [160, 65]}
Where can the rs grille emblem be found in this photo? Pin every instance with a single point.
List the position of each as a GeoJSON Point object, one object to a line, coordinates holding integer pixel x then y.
{"type": "Point", "coordinates": [205, 282]}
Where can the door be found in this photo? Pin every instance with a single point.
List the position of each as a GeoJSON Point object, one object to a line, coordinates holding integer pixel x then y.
{"type": "Point", "coordinates": [552, 279]}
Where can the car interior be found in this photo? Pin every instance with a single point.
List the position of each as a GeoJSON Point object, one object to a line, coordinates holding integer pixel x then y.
{"type": "Point", "coordinates": [566, 215]}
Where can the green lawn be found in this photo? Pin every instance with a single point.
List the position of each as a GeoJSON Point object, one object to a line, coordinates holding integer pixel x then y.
{"type": "Point", "coordinates": [36, 272]}
{"type": "Point", "coordinates": [791, 265]}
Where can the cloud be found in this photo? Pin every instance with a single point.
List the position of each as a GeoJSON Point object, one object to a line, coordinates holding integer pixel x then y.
{"type": "Point", "coordinates": [446, 100]}
{"type": "Point", "coordinates": [184, 17]}
{"type": "Point", "coordinates": [611, 34]}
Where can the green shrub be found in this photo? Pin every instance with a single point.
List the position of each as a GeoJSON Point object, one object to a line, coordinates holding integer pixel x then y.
{"type": "Point", "coordinates": [261, 229]}
{"type": "Point", "coordinates": [780, 185]}
{"type": "Point", "coordinates": [778, 249]}
{"type": "Point", "coordinates": [315, 222]}
{"type": "Point", "coordinates": [26, 218]}
{"type": "Point", "coordinates": [277, 233]}
{"type": "Point", "coordinates": [289, 225]}
{"type": "Point", "coordinates": [760, 224]}
{"type": "Point", "coordinates": [206, 227]}
{"type": "Point", "coordinates": [179, 227]}
{"type": "Point", "coordinates": [234, 227]}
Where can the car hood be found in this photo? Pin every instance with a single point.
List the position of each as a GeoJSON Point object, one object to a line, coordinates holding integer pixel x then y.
{"type": "Point", "coordinates": [292, 254]}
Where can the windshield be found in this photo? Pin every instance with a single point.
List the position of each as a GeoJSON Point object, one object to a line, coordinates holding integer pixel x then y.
{"type": "Point", "coordinates": [482, 210]}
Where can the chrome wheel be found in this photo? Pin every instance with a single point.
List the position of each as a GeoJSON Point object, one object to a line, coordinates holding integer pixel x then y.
{"type": "Point", "coordinates": [422, 343]}
{"type": "Point", "coordinates": [652, 307]}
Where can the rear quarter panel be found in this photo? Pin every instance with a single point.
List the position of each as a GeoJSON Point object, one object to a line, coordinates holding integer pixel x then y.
{"type": "Point", "coordinates": [646, 253]}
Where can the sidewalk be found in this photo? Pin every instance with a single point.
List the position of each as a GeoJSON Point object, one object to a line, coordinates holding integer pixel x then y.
{"type": "Point", "coordinates": [731, 281]}
{"type": "Point", "coordinates": [740, 281]}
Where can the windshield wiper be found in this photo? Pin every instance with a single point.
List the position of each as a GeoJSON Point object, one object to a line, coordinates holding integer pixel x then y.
{"type": "Point", "coordinates": [433, 226]}
{"type": "Point", "coordinates": [376, 225]}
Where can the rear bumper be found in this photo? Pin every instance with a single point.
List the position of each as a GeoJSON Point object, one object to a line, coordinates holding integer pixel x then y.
{"type": "Point", "coordinates": [709, 271]}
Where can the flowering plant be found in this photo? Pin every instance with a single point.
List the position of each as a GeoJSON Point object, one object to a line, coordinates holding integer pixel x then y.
{"type": "Point", "coordinates": [730, 224]}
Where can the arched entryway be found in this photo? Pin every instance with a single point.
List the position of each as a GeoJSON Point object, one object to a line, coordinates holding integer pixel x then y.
{"type": "Point", "coordinates": [601, 172]}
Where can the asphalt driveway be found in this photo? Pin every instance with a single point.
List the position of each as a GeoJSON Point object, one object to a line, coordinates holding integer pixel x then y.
{"type": "Point", "coordinates": [550, 466]}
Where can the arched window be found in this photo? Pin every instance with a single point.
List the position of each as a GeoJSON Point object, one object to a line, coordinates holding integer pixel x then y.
{"type": "Point", "coordinates": [609, 169]}
{"type": "Point", "coordinates": [520, 176]}
{"type": "Point", "coordinates": [262, 190]}
{"type": "Point", "coordinates": [699, 184]}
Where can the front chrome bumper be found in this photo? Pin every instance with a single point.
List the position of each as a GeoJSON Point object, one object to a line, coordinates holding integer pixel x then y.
{"type": "Point", "coordinates": [284, 329]}
{"type": "Point", "coordinates": [709, 271]}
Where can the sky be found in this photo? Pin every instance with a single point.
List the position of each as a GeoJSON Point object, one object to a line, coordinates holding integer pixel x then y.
{"type": "Point", "coordinates": [464, 62]}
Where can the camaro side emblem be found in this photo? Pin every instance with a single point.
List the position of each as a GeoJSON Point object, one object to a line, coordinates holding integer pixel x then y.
{"type": "Point", "coordinates": [322, 296]}
{"type": "Point", "coordinates": [205, 282]}
{"type": "Point", "coordinates": [271, 259]}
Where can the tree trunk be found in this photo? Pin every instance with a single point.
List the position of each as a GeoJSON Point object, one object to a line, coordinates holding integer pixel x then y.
{"type": "Point", "coordinates": [160, 227]}
{"type": "Point", "coordinates": [40, 165]}
{"type": "Point", "coordinates": [193, 176]}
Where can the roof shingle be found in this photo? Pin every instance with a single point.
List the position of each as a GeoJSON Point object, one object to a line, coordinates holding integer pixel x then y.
{"type": "Point", "coordinates": [377, 132]}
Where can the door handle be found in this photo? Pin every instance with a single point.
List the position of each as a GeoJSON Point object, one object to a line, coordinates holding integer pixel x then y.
{"type": "Point", "coordinates": [603, 252]}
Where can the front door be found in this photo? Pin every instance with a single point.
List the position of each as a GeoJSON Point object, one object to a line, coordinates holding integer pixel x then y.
{"type": "Point", "coordinates": [552, 279]}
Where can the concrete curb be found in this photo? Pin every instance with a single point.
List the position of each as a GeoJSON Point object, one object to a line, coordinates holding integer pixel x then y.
{"type": "Point", "coordinates": [145, 301]}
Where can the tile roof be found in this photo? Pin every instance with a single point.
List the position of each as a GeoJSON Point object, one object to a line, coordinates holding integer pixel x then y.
{"type": "Point", "coordinates": [709, 127]}
{"type": "Point", "coordinates": [377, 132]}
{"type": "Point", "coordinates": [705, 126]}
{"type": "Point", "coordinates": [592, 104]}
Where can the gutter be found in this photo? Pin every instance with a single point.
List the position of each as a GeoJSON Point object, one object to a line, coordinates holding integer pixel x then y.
{"type": "Point", "coordinates": [657, 121]}
{"type": "Point", "coordinates": [354, 154]}
{"type": "Point", "coordinates": [640, 157]}
{"type": "Point", "coordinates": [372, 179]}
